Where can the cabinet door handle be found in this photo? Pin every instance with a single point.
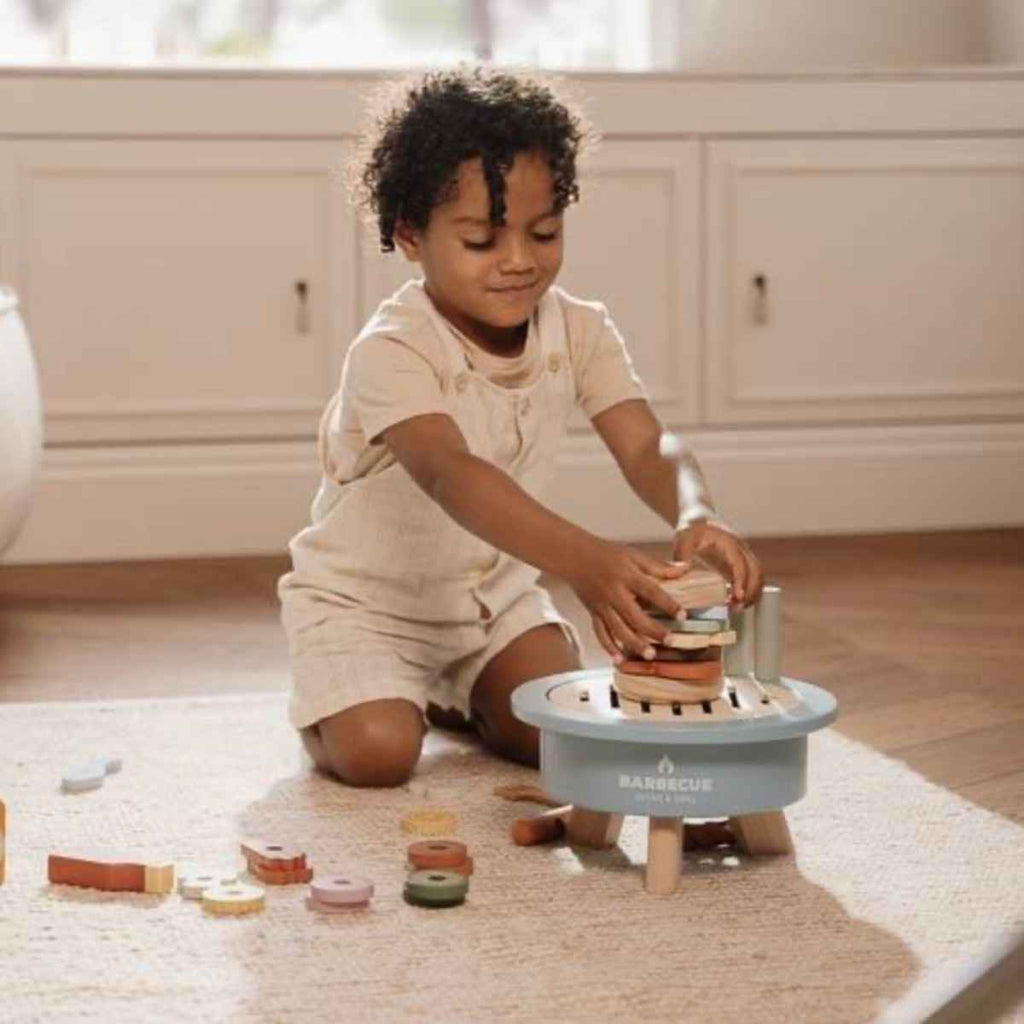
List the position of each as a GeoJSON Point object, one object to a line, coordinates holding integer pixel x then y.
{"type": "Point", "coordinates": [302, 307]}
{"type": "Point", "coordinates": [759, 305]}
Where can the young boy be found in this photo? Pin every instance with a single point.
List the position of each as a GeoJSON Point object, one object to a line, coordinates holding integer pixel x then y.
{"type": "Point", "coordinates": [414, 590]}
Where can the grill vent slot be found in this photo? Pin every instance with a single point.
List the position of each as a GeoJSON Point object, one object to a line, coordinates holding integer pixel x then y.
{"type": "Point", "coordinates": [743, 698]}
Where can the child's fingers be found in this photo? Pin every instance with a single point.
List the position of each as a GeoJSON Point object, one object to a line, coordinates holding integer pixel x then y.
{"type": "Point", "coordinates": [756, 579]}
{"type": "Point", "coordinates": [658, 569]}
{"type": "Point", "coordinates": [733, 556]}
{"type": "Point", "coordinates": [654, 595]}
{"type": "Point", "coordinates": [631, 640]}
{"type": "Point", "coordinates": [604, 638]}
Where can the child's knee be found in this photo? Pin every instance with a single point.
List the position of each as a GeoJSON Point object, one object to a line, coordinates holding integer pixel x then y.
{"type": "Point", "coordinates": [505, 734]}
{"type": "Point", "coordinates": [373, 744]}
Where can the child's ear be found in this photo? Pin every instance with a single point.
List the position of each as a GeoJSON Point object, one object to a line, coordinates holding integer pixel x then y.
{"type": "Point", "coordinates": [407, 239]}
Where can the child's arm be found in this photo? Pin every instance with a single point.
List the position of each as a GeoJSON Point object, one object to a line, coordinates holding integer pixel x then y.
{"type": "Point", "coordinates": [609, 578]}
{"type": "Point", "coordinates": [634, 434]}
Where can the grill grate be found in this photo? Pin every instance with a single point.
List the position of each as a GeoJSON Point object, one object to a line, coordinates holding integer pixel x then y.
{"type": "Point", "coordinates": [744, 698]}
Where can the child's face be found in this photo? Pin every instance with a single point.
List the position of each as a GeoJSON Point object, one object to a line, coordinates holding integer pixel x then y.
{"type": "Point", "coordinates": [488, 280]}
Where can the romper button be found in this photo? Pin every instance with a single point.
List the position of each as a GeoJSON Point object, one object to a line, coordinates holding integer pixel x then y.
{"type": "Point", "coordinates": [526, 405]}
{"type": "Point", "coordinates": [460, 382]}
{"type": "Point", "coordinates": [554, 362]}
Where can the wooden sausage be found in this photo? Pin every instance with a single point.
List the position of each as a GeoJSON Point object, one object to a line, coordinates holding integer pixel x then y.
{"type": "Point", "coordinates": [541, 828]}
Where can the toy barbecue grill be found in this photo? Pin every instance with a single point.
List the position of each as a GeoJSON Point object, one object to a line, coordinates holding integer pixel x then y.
{"type": "Point", "coordinates": [741, 755]}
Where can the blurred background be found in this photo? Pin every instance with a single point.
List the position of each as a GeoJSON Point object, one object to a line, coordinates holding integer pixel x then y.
{"type": "Point", "coordinates": [612, 35]}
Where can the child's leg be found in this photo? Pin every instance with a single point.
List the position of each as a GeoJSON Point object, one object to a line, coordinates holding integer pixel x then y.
{"type": "Point", "coordinates": [541, 651]}
{"type": "Point", "coordinates": [376, 743]}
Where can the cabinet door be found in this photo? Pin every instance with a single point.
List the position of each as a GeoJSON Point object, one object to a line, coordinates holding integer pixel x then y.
{"type": "Point", "coordinates": [865, 279]}
{"type": "Point", "coordinates": [179, 288]}
{"type": "Point", "coordinates": [632, 243]}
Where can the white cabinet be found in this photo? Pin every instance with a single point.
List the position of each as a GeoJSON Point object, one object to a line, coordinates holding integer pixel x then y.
{"type": "Point", "coordinates": [865, 279]}
{"type": "Point", "coordinates": [820, 280]}
{"type": "Point", "coordinates": [179, 289]}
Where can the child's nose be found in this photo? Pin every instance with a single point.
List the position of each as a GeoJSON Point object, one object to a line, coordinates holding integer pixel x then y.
{"type": "Point", "coordinates": [517, 257]}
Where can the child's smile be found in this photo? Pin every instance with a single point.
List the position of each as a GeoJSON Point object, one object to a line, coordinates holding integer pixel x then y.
{"type": "Point", "coordinates": [488, 280]}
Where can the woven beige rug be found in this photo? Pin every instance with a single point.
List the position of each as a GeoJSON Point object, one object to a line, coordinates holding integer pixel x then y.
{"type": "Point", "coordinates": [893, 878]}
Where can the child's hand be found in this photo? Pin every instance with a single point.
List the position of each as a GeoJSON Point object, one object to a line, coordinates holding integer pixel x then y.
{"type": "Point", "coordinates": [716, 544]}
{"type": "Point", "coordinates": [610, 582]}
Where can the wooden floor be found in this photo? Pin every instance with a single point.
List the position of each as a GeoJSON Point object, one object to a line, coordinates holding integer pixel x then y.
{"type": "Point", "coordinates": [921, 638]}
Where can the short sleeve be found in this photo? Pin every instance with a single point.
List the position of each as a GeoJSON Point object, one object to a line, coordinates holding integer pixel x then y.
{"type": "Point", "coordinates": [387, 381]}
{"type": "Point", "coordinates": [603, 370]}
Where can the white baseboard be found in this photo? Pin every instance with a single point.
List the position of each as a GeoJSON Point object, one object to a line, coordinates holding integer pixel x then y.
{"type": "Point", "coordinates": [175, 501]}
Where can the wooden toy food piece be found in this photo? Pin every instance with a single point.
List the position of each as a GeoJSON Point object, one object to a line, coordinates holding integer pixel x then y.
{"type": "Point", "coordinates": [273, 856]}
{"type": "Point", "coordinates": [89, 774]}
{"type": "Point", "coordinates": [436, 853]}
{"type": "Point", "coordinates": [699, 588]}
{"type": "Point", "coordinates": [276, 864]}
{"type": "Point", "coordinates": [429, 822]}
{"type": "Point", "coordinates": [340, 890]}
{"type": "Point", "coordinates": [234, 899]}
{"type": "Point", "coordinates": [541, 828]}
{"type": "Point", "coordinates": [524, 791]}
{"type": "Point", "coordinates": [465, 868]}
{"type": "Point", "coordinates": [84, 776]}
{"type": "Point", "coordinates": [110, 873]}
{"type": "Point", "coordinates": [435, 888]}
{"type": "Point", "coordinates": [193, 884]}
{"type": "Point", "coordinates": [692, 671]}
{"type": "Point", "coordinates": [694, 641]}
{"type": "Point", "coordinates": [655, 690]}
{"type": "Point", "coordinates": [662, 654]}
{"type": "Point", "coordinates": [3, 842]}
{"type": "Point", "coordinates": [281, 876]}
{"type": "Point", "coordinates": [701, 621]}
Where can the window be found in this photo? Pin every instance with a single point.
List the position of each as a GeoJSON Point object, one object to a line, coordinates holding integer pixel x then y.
{"type": "Point", "coordinates": [569, 34]}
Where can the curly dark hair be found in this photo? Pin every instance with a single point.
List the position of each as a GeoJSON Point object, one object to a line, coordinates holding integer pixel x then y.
{"type": "Point", "coordinates": [408, 162]}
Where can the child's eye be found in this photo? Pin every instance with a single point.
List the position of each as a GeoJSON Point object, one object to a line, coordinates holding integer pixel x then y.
{"type": "Point", "coordinates": [480, 246]}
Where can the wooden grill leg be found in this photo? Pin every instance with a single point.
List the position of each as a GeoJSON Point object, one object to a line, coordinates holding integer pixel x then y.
{"type": "Point", "coordinates": [763, 833]}
{"type": "Point", "coordinates": [664, 855]}
{"type": "Point", "coordinates": [598, 829]}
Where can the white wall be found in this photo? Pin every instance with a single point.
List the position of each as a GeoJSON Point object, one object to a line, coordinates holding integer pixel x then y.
{"type": "Point", "coordinates": [1006, 31]}
{"type": "Point", "coordinates": [788, 34]}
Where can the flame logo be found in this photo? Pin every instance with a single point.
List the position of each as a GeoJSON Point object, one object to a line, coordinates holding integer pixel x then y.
{"type": "Point", "coordinates": [665, 766]}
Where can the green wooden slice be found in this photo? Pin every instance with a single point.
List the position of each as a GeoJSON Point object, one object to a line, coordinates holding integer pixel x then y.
{"type": "Point", "coordinates": [431, 888]}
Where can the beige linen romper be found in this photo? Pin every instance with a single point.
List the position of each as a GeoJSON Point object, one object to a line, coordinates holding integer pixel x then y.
{"type": "Point", "coordinates": [390, 597]}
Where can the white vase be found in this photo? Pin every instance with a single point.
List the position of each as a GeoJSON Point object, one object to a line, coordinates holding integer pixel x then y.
{"type": "Point", "coordinates": [21, 430]}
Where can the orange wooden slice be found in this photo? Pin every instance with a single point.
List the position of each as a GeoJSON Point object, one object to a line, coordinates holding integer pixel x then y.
{"type": "Point", "coordinates": [280, 876]}
{"type": "Point", "coordinates": [697, 671]}
{"type": "Point", "coordinates": [436, 853]}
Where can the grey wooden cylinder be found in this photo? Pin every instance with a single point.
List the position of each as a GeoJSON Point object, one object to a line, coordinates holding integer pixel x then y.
{"type": "Point", "coordinates": [768, 635]}
{"type": "Point", "coordinates": [738, 659]}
